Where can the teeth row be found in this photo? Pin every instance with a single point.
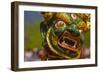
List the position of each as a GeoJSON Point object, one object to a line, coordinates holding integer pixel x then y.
{"type": "Point", "coordinates": [63, 43]}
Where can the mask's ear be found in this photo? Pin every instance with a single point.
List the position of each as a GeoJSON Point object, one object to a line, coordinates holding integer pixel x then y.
{"type": "Point", "coordinates": [47, 15]}
{"type": "Point", "coordinates": [84, 25]}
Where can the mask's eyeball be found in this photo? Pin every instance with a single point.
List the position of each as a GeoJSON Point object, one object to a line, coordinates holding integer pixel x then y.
{"type": "Point", "coordinates": [74, 16]}
{"type": "Point", "coordinates": [60, 24]}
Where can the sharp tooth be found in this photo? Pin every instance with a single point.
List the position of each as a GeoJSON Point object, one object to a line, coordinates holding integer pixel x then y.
{"type": "Point", "coordinates": [63, 43]}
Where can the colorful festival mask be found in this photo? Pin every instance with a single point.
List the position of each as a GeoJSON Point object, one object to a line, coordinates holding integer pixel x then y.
{"type": "Point", "coordinates": [62, 34]}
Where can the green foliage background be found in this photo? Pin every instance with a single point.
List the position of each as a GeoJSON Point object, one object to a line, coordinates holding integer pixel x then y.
{"type": "Point", "coordinates": [32, 36]}
{"type": "Point", "coordinates": [87, 39]}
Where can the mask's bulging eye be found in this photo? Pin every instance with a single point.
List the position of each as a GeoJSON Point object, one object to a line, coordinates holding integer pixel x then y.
{"type": "Point", "coordinates": [60, 24]}
{"type": "Point", "coordinates": [74, 16]}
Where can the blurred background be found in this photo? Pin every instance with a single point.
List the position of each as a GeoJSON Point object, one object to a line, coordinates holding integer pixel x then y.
{"type": "Point", "coordinates": [32, 35]}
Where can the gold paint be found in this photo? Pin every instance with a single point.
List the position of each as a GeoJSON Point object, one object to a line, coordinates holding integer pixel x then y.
{"type": "Point", "coordinates": [58, 53]}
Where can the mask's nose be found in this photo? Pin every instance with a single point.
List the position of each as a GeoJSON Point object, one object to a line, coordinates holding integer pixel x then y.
{"type": "Point", "coordinates": [73, 29]}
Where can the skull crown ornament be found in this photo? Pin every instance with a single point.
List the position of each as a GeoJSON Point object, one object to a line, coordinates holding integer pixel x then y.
{"type": "Point", "coordinates": [62, 34]}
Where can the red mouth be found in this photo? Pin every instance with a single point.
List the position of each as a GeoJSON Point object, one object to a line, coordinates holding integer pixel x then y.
{"type": "Point", "coordinates": [67, 42]}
